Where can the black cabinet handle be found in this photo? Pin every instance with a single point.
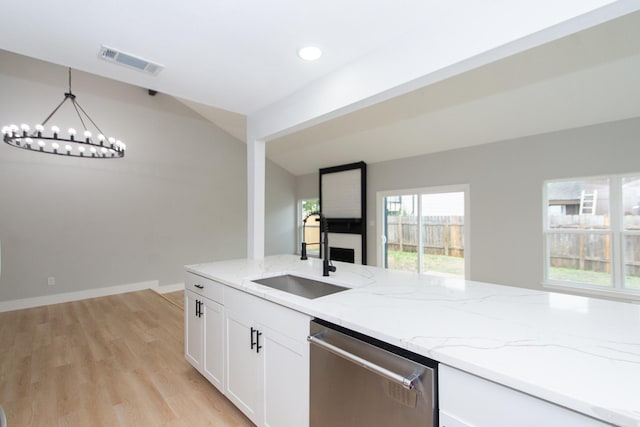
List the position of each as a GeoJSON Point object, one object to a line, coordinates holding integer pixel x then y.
{"type": "Point", "coordinates": [199, 286]}
{"type": "Point", "coordinates": [197, 308]}
{"type": "Point", "coordinates": [258, 346]}
{"type": "Point", "coordinates": [252, 332]}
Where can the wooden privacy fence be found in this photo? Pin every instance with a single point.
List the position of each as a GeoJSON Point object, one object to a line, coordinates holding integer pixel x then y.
{"type": "Point", "coordinates": [442, 235]}
{"type": "Point", "coordinates": [589, 251]}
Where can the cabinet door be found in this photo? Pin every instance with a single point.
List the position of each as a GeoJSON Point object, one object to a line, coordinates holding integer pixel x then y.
{"type": "Point", "coordinates": [477, 402]}
{"type": "Point", "coordinates": [285, 380]}
{"type": "Point", "coordinates": [192, 330]}
{"type": "Point", "coordinates": [242, 363]}
{"type": "Point", "coordinates": [213, 349]}
{"type": "Point", "coordinates": [447, 420]}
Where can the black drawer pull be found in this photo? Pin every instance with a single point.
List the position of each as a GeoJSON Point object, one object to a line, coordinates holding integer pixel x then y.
{"type": "Point", "coordinates": [199, 286]}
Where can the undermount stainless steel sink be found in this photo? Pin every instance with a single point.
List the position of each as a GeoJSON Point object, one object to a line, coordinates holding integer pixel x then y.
{"type": "Point", "coordinates": [301, 286]}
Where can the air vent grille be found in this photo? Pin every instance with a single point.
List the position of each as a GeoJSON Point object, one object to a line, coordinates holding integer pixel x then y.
{"type": "Point", "coordinates": [128, 60]}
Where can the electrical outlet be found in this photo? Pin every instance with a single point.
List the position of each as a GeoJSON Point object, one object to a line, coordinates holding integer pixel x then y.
{"type": "Point", "coordinates": [51, 281]}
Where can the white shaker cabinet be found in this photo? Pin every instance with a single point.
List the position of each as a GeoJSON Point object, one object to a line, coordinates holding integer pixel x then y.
{"type": "Point", "coordinates": [470, 401]}
{"type": "Point", "coordinates": [193, 327]}
{"type": "Point", "coordinates": [267, 369]}
{"type": "Point", "coordinates": [204, 328]}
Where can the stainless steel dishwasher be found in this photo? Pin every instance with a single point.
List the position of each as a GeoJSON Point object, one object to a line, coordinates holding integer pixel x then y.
{"type": "Point", "coordinates": [358, 381]}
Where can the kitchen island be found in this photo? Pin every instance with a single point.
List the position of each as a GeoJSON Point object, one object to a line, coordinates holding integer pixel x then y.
{"type": "Point", "coordinates": [576, 352]}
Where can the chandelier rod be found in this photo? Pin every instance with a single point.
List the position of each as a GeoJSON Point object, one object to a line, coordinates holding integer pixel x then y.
{"type": "Point", "coordinates": [76, 105]}
{"type": "Point", "coordinates": [56, 109]}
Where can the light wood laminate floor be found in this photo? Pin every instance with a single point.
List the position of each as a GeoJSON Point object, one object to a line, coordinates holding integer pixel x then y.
{"type": "Point", "coordinates": [176, 298]}
{"type": "Point", "coordinates": [110, 361]}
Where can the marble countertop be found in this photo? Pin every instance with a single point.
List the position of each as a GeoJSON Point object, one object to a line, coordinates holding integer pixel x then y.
{"type": "Point", "coordinates": [580, 353]}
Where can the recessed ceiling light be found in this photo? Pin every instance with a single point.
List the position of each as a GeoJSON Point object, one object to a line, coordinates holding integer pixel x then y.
{"type": "Point", "coordinates": [310, 53]}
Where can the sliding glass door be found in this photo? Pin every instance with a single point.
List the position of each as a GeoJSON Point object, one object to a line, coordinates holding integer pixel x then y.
{"type": "Point", "coordinates": [424, 230]}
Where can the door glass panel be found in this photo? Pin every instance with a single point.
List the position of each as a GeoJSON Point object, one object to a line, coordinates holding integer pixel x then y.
{"type": "Point", "coordinates": [310, 226]}
{"type": "Point", "coordinates": [401, 232]}
{"type": "Point", "coordinates": [443, 233]}
{"type": "Point", "coordinates": [424, 233]}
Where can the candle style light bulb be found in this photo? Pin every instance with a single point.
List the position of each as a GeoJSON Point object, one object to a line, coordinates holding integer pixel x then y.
{"type": "Point", "coordinates": [41, 144]}
{"type": "Point", "coordinates": [6, 130]}
{"type": "Point", "coordinates": [39, 129]}
{"type": "Point", "coordinates": [56, 131]}
{"type": "Point", "coordinates": [81, 149]}
{"type": "Point", "coordinates": [72, 133]}
{"type": "Point", "coordinates": [55, 146]}
{"type": "Point", "coordinates": [25, 127]}
{"type": "Point", "coordinates": [68, 147]}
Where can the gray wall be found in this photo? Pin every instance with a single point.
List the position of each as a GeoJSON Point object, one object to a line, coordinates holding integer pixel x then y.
{"type": "Point", "coordinates": [506, 180]}
{"type": "Point", "coordinates": [178, 197]}
{"type": "Point", "coordinates": [307, 186]}
{"type": "Point", "coordinates": [280, 211]}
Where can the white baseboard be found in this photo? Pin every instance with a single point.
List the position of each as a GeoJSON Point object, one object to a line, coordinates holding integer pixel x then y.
{"type": "Point", "coordinates": [165, 289]}
{"type": "Point", "coordinates": [19, 304]}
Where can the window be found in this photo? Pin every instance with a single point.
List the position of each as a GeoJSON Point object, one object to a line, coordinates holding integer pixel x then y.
{"type": "Point", "coordinates": [424, 230]}
{"type": "Point", "coordinates": [592, 233]}
{"type": "Point", "coordinates": [309, 230]}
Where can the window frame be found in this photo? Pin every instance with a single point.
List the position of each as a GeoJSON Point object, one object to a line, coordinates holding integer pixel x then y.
{"type": "Point", "coordinates": [454, 188]}
{"type": "Point", "coordinates": [617, 235]}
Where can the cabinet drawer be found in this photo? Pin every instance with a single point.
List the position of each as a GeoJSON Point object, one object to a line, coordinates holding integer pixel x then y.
{"type": "Point", "coordinates": [206, 287]}
{"type": "Point", "coordinates": [282, 319]}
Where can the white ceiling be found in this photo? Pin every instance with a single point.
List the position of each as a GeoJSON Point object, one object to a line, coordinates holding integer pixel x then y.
{"type": "Point", "coordinates": [589, 77]}
{"type": "Point", "coordinates": [230, 59]}
{"type": "Point", "coordinates": [233, 55]}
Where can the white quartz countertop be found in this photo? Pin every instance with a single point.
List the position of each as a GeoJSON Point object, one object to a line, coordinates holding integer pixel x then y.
{"type": "Point", "coordinates": [580, 353]}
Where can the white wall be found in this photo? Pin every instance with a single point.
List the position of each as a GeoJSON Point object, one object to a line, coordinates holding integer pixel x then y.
{"type": "Point", "coordinates": [506, 180]}
{"type": "Point", "coordinates": [178, 197]}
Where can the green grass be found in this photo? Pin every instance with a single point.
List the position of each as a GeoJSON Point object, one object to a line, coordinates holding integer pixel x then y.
{"type": "Point", "coordinates": [590, 277]}
{"type": "Point", "coordinates": [408, 261]}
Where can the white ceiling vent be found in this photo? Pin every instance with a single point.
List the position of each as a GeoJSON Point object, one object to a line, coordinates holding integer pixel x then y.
{"type": "Point", "coordinates": [131, 61]}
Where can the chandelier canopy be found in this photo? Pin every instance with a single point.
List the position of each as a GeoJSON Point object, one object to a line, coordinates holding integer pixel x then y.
{"type": "Point", "coordinates": [84, 145]}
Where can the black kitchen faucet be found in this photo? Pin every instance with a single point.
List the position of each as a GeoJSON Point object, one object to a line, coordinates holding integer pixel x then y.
{"type": "Point", "coordinates": [327, 265]}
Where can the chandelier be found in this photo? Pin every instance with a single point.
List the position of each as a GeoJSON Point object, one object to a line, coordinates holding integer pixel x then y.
{"type": "Point", "coordinates": [84, 145]}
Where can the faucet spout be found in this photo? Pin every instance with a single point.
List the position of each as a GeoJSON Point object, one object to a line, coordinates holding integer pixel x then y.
{"type": "Point", "coordinates": [326, 262]}
{"type": "Point", "coordinates": [327, 266]}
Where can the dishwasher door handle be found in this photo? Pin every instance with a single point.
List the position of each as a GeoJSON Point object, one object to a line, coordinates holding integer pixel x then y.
{"type": "Point", "coordinates": [406, 382]}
